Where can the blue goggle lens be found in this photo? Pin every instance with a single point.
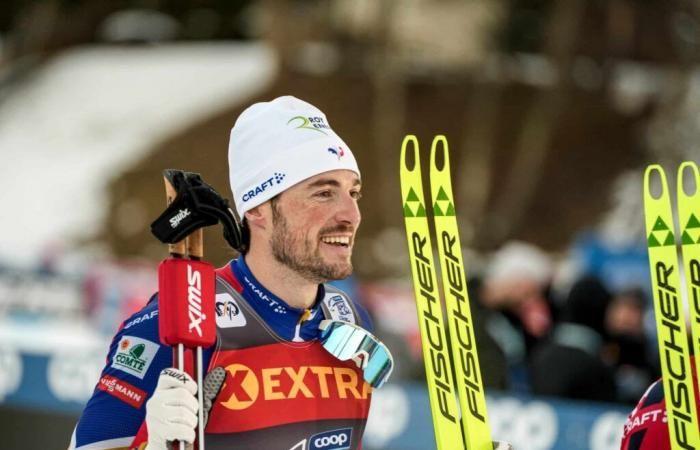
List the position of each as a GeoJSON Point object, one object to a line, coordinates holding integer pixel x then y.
{"type": "Point", "coordinates": [347, 341]}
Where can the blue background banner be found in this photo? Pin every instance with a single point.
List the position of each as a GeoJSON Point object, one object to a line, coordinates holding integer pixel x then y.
{"type": "Point", "coordinates": [399, 420]}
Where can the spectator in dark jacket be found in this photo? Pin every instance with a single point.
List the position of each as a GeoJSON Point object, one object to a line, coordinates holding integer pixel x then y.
{"type": "Point", "coordinates": [570, 364]}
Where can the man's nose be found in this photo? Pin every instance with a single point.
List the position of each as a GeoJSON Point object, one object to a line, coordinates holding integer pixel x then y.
{"type": "Point", "coordinates": [349, 211]}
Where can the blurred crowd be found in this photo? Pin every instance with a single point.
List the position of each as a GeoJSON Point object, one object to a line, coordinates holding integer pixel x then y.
{"type": "Point", "coordinates": [577, 326]}
{"type": "Point", "coordinates": [577, 334]}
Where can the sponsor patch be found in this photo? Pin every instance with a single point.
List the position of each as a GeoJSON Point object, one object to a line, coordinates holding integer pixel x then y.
{"type": "Point", "coordinates": [173, 373]}
{"type": "Point", "coordinates": [228, 313]}
{"type": "Point", "coordinates": [177, 218]}
{"type": "Point", "coordinates": [314, 123]}
{"type": "Point", "coordinates": [277, 385]}
{"type": "Point", "coordinates": [134, 355]}
{"type": "Point", "coordinates": [331, 440]}
{"type": "Point", "coordinates": [142, 318]}
{"type": "Point", "coordinates": [337, 151]}
{"type": "Point", "coordinates": [272, 303]}
{"type": "Point", "coordinates": [339, 307]}
{"type": "Point", "coordinates": [275, 179]}
{"type": "Point", "coordinates": [122, 390]}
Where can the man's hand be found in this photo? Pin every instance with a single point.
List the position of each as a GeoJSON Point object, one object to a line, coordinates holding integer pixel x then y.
{"type": "Point", "coordinates": [171, 413]}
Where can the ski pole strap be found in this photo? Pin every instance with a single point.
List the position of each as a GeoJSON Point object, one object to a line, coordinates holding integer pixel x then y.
{"type": "Point", "coordinates": [197, 205]}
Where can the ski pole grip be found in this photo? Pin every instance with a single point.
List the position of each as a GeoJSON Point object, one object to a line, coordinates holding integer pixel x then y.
{"type": "Point", "coordinates": [186, 303]}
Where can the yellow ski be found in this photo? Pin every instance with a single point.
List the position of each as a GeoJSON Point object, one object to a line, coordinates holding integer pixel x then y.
{"type": "Point", "coordinates": [689, 221]}
{"type": "Point", "coordinates": [670, 316]}
{"type": "Point", "coordinates": [477, 434]}
{"type": "Point", "coordinates": [438, 369]}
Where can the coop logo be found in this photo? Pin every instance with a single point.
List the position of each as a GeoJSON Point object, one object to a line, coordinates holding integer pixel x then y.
{"type": "Point", "coordinates": [276, 178]}
{"type": "Point", "coordinates": [338, 152]}
{"type": "Point", "coordinates": [177, 218]}
{"type": "Point", "coordinates": [331, 440]}
{"type": "Point", "coordinates": [228, 313]}
{"type": "Point", "coordinates": [315, 123]}
{"type": "Point", "coordinates": [134, 355]}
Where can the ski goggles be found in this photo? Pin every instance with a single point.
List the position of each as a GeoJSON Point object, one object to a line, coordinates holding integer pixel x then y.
{"type": "Point", "coordinates": [347, 341]}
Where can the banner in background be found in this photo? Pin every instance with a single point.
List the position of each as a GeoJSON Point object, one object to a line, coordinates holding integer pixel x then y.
{"type": "Point", "coordinates": [62, 381]}
{"type": "Point", "coordinates": [400, 420]}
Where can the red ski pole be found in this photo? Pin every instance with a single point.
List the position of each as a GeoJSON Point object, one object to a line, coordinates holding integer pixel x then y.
{"type": "Point", "coordinates": [186, 287]}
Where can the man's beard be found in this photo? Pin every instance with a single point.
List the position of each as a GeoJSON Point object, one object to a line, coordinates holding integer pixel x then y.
{"type": "Point", "coordinates": [296, 253]}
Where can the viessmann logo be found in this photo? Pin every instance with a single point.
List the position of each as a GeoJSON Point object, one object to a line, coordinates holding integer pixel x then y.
{"type": "Point", "coordinates": [122, 390]}
{"type": "Point", "coordinates": [244, 386]}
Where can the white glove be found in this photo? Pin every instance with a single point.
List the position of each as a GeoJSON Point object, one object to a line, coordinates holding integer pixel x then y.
{"type": "Point", "coordinates": [502, 445]}
{"type": "Point", "coordinates": [171, 412]}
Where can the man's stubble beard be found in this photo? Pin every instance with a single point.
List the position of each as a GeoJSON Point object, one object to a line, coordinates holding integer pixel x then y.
{"type": "Point", "coordinates": [295, 252]}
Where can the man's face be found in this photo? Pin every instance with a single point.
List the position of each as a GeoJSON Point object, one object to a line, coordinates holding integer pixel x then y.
{"type": "Point", "coordinates": [314, 225]}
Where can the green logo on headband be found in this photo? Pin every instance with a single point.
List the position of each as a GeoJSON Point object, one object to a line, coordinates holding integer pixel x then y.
{"type": "Point", "coordinates": [310, 123]}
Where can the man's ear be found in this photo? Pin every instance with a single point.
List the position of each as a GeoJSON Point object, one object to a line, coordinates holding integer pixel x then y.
{"type": "Point", "coordinates": [259, 217]}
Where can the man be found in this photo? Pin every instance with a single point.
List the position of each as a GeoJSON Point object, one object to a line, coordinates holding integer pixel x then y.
{"type": "Point", "coordinates": [296, 186]}
{"type": "Point", "coordinates": [646, 427]}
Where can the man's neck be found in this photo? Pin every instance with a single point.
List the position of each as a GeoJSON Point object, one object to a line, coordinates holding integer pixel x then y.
{"type": "Point", "coordinates": [295, 290]}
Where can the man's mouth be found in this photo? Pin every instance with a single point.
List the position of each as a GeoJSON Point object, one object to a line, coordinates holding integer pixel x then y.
{"type": "Point", "coordinates": [342, 241]}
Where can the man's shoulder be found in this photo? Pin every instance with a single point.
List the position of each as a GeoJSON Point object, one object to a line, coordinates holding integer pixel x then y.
{"type": "Point", "coordinates": [341, 307]}
{"type": "Point", "coordinates": [144, 319]}
{"type": "Point", "coordinates": [646, 426]}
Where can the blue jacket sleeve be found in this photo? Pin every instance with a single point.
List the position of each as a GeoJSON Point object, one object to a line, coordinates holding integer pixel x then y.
{"type": "Point", "coordinates": [117, 408]}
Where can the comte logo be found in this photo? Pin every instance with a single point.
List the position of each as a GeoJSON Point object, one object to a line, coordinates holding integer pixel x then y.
{"type": "Point", "coordinates": [245, 387]}
{"type": "Point", "coordinates": [331, 440]}
{"type": "Point", "coordinates": [134, 355]}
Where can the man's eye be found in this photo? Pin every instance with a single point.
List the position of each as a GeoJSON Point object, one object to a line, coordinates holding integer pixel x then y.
{"type": "Point", "coordinates": [356, 195]}
{"type": "Point", "coordinates": [324, 194]}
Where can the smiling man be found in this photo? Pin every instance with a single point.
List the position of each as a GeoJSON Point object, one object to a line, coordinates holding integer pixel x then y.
{"type": "Point", "coordinates": [277, 386]}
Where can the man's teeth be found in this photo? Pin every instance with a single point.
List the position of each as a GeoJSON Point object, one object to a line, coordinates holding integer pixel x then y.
{"type": "Point", "coordinates": [343, 240]}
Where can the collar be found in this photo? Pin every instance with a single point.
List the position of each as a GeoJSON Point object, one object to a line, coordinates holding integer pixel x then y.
{"type": "Point", "coordinates": [294, 324]}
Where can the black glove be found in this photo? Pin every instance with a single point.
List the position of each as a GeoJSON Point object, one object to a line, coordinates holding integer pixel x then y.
{"type": "Point", "coordinates": [197, 205]}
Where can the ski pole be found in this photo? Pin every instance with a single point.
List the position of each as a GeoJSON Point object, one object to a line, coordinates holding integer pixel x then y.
{"type": "Point", "coordinates": [186, 290]}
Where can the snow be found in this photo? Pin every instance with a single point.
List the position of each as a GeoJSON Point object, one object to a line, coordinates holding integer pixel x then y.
{"type": "Point", "coordinates": [89, 113]}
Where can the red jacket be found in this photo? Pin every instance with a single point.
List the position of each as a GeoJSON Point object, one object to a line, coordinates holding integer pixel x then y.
{"type": "Point", "coordinates": [647, 427]}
